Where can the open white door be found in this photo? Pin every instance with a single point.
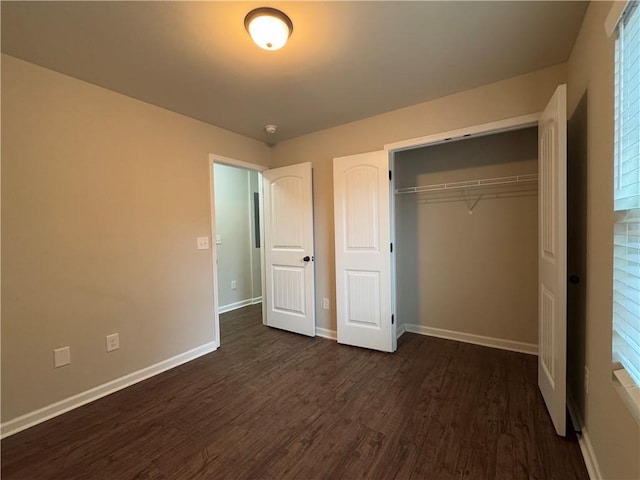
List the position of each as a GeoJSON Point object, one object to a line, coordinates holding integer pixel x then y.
{"type": "Point", "coordinates": [363, 260]}
{"type": "Point", "coordinates": [552, 257]}
{"type": "Point", "coordinates": [288, 249]}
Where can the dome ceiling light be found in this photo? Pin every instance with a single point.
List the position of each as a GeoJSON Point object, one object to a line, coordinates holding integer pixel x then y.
{"type": "Point", "coordinates": [269, 28]}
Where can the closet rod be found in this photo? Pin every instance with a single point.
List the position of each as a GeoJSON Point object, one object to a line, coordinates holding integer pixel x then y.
{"type": "Point", "coordinates": [485, 182]}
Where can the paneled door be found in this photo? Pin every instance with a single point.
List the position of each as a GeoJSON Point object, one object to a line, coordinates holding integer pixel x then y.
{"type": "Point", "coordinates": [552, 257]}
{"type": "Point", "coordinates": [288, 249]}
{"type": "Point", "coordinates": [363, 259]}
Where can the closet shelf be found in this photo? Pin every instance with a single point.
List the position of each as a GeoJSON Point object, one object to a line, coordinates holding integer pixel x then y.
{"type": "Point", "coordinates": [485, 182]}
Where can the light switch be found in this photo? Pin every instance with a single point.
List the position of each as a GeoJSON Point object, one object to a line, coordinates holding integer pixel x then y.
{"type": "Point", "coordinates": [113, 342]}
{"type": "Point", "coordinates": [61, 357]}
{"type": "Point", "coordinates": [218, 239]}
{"type": "Point", "coordinates": [203, 243]}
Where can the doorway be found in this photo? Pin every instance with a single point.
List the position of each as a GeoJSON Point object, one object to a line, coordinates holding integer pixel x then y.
{"type": "Point", "coordinates": [552, 242]}
{"type": "Point", "coordinates": [218, 164]}
{"type": "Point", "coordinates": [466, 229]}
{"type": "Point", "coordinates": [275, 211]}
{"type": "Point", "coordinates": [237, 237]}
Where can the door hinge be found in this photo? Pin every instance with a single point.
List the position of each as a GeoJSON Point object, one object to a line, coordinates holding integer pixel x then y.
{"type": "Point", "coordinates": [393, 319]}
{"type": "Point", "coordinates": [391, 245]}
{"type": "Point", "coordinates": [390, 175]}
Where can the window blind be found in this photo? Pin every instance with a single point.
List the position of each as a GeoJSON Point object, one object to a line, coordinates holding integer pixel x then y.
{"type": "Point", "coordinates": [626, 293]}
{"type": "Point", "coordinates": [626, 245]}
{"type": "Point", "coordinates": [627, 115]}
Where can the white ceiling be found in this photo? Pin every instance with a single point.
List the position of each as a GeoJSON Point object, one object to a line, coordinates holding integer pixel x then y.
{"type": "Point", "coordinates": [345, 60]}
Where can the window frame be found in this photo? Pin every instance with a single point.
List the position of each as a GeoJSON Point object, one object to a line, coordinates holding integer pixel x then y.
{"type": "Point", "coordinates": [625, 210]}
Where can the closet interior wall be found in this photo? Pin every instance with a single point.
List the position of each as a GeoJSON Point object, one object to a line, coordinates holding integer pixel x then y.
{"type": "Point", "coordinates": [472, 273]}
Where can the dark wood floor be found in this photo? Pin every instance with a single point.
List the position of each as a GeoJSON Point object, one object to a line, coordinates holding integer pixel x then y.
{"type": "Point", "coordinates": [270, 404]}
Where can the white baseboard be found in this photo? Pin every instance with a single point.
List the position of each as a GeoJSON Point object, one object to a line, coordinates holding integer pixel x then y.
{"type": "Point", "coordinates": [584, 441]}
{"type": "Point", "coordinates": [332, 334]}
{"type": "Point", "coordinates": [512, 345]}
{"type": "Point", "coordinates": [240, 304]}
{"type": "Point", "coordinates": [590, 460]}
{"type": "Point", "coordinates": [400, 330]}
{"type": "Point", "coordinates": [326, 333]}
{"type": "Point", "coordinates": [38, 416]}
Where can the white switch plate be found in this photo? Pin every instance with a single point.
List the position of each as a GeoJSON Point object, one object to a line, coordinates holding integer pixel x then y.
{"type": "Point", "coordinates": [203, 243]}
{"type": "Point", "coordinates": [61, 357]}
{"type": "Point", "coordinates": [113, 342]}
{"type": "Point", "coordinates": [325, 303]}
{"type": "Point", "coordinates": [234, 284]}
{"type": "Point", "coordinates": [218, 239]}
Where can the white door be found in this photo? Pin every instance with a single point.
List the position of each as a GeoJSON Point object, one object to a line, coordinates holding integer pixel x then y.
{"type": "Point", "coordinates": [363, 260]}
{"type": "Point", "coordinates": [288, 249]}
{"type": "Point", "coordinates": [552, 257]}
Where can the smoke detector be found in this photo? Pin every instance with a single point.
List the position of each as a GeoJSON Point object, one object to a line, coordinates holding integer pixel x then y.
{"type": "Point", "coordinates": [270, 129]}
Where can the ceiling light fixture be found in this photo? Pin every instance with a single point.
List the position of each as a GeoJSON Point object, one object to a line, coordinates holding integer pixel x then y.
{"type": "Point", "coordinates": [269, 28]}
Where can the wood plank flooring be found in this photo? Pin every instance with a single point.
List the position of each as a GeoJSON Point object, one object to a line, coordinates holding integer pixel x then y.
{"type": "Point", "coordinates": [271, 404]}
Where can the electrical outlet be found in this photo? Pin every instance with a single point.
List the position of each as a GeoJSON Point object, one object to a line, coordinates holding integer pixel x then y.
{"type": "Point", "coordinates": [61, 357]}
{"type": "Point", "coordinates": [218, 239]}
{"type": "Point", "coordinates": [234, 284]}
{"type": "Point", "coordinates": [203, 243]}
{"type": "Point", "coordinates": [586, 380]}
{"type": "Point", "coordinates": [113, 342]}
{"type": "Point", "coordinates": [325, 303]}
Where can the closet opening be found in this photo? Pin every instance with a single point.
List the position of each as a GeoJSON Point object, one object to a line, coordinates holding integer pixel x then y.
{"type": "Point", "coordinates": [465, 222]}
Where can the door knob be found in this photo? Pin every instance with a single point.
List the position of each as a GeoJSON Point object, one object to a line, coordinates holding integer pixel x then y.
{"type": "Point", "coordinates": [307, 258]}
{"type": "Point", "coordinates": [574, 279]}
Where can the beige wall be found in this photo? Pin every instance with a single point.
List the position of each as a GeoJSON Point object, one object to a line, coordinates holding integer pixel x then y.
{"type": "Point", "coordinates": [234, 223]}
{"type": "Point", "coordinates": [509, 98]}
{"type": "Point", "coordinates": [103, 197]}
{"type": "Point", "coordinates": [614, 433]}
{"type": "Point", "coordinates": [471, 273]}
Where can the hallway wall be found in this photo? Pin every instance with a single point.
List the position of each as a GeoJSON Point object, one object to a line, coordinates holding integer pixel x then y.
{"type": "Point", "coordinates": [238, 259]}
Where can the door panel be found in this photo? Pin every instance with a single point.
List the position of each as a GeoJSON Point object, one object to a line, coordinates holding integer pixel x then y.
{"type": "Point", "coordinates": [288, 231]}
{"type": "Point", "coordinates": [288, 289]}
{"type": "Point", "coordinates": [362, 287]}
{"type": "Point", "coordinates": [363, 261]}
{"type": "Point", "coordinates": [552, 258]}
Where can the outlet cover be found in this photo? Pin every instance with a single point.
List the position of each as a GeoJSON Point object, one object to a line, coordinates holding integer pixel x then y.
{"type": "Point", "coordinates": [61, 357]}
{"type": "Point", "coordinates": [113, 342]}
{"type": "Point", "coordinates": [234, 284]}
{"type": "Point", "coordinates": [203, 243]}
{"type": "Point", "coordinates": [325, 303]}
{"type": "Point", "coordinates": [218, 239]}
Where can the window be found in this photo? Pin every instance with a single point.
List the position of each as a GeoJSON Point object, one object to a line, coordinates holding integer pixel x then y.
{"type": "Point", "coordinates": [626, 245]}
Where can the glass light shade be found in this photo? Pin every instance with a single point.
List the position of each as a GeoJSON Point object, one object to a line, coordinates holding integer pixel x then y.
{"type": "Point", "coordinates": [269, 28]}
